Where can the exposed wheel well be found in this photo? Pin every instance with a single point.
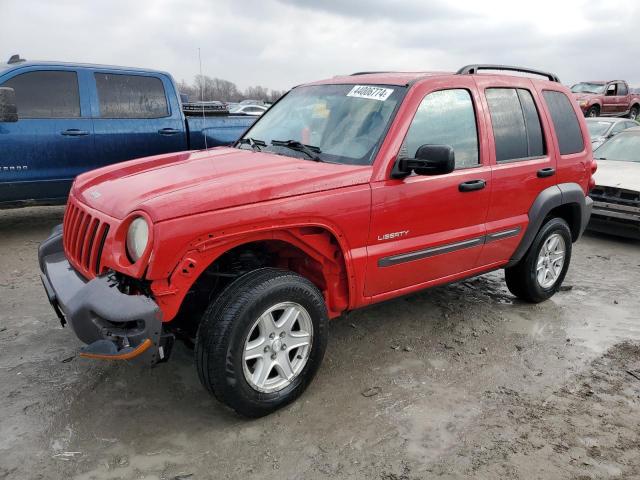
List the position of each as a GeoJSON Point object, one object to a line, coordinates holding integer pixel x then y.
{"type": "Point", "coordinates": [320, 260]}
{"type": "Point", "coordinates": [570, 213]}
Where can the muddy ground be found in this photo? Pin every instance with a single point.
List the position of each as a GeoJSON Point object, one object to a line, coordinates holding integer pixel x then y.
{"type": "Point", "coordinates": [461, 381]}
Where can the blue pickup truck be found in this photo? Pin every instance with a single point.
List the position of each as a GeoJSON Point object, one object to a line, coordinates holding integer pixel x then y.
{"type": "Point", "coordinates": [76, 117]}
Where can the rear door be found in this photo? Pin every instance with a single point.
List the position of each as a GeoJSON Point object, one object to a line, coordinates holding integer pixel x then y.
{"type": "Point", "coordinates": [135, 115]}
{"type": "Point", "coordinates": [522, 165]}
{"type": "Point", "coordinates": [52, 141]}
{"type": "Point", "coordinates": [425, 229]}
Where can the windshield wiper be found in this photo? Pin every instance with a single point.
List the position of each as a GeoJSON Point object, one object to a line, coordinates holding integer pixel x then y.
{"type": "Point", "coordinates": [309, 150]}
{"type": "Point", "coordinates": [255, 144]}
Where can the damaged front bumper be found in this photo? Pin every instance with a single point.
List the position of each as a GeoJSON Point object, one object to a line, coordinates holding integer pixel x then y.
{"type": "Point", "coordinates": [616, 212]}
{"type": "Point", "coordinates": [113, 324]}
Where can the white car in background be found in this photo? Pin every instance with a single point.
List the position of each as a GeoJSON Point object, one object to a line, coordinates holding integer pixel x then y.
{"type": "Point", "coordinates": [249, 109]}
{"type": "Point", "coordinates": [616, 196]}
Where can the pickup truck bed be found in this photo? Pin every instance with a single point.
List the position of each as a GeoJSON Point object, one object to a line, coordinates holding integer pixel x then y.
{"type": "Point", "coordinates": [77, 117]}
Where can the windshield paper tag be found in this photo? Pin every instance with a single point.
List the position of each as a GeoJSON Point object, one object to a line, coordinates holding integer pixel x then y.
{"type": "Point", "coordinates": [372, 93]}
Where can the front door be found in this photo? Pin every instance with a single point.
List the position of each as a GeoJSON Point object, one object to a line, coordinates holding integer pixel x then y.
{"type": "Point", "coordinates": [426, 229]}
{"type": "Point", "coordinates": [51, 142]}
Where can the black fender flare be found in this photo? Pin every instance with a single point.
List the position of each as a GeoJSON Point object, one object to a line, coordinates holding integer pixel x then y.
{"type": "Point", "coordinates": [550, 198]}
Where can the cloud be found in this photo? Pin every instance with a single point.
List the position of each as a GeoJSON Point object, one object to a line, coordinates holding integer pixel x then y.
{"type": "Point", "coordinates": [281, 43]}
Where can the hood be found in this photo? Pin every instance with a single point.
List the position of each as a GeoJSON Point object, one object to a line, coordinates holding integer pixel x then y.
{"type": "Point", "coordinates": [616, 174]}
{"type": "Point", "coordinates": [169, 186]}
{"type": "Point", "coordinates": [584, 96]}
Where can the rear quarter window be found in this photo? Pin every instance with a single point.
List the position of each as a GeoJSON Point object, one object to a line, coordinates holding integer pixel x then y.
{"type": "Point", "coordinates": [565, 122]}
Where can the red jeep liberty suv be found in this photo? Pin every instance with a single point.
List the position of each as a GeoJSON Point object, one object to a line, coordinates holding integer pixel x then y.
{"type": "Point", "coordinates": [346, 192]}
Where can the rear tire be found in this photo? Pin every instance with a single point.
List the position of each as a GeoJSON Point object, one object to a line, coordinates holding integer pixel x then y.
{"type": "Point", "coordinates": [241, 350]}
{"type": "Point", "coordinates": [538, 275]}
{"type": "Point", "coordinates": [633, 113]}
{"type": "Point", "coordinates": [593, 112]}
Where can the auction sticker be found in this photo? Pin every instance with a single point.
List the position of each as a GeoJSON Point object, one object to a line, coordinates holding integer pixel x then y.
{"type": "Point", "coordinates": [373, 93]}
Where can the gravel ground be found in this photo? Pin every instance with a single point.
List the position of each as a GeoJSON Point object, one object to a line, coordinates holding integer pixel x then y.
{"type": "Point", "coordinates": [461, 381]}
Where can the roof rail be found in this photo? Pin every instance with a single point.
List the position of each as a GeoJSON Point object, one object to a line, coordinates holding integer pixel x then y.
{"type": "Point", "coordinates": [366, 73]}
{"type": "Point", "coordinates": [471, 69]}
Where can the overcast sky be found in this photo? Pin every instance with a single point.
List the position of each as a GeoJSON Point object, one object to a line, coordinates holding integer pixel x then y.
{"type": "Point", "coordinates": [281, 43]}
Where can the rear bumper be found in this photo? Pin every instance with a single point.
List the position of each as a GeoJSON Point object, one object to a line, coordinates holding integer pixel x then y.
{"type": "Point", "coordinates": [114, 325]}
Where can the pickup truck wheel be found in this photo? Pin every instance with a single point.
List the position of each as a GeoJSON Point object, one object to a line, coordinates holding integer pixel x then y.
{"type": "Point", "coordinates": [633, 113]}
{"type": "Point", "coordinates": [261, 342]}
{"type": "Point", "coordinates": [541, 272]}
{"type": "Point", "coordinates": [593, 111]}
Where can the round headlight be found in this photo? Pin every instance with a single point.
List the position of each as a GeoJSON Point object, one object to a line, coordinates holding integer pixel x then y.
{"type": "Point", "coordinates": [137, 238]}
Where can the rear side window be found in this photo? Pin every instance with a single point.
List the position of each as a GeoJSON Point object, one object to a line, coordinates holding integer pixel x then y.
{"type": "Point", "coordinates": [516, 124]}
{"type": "Point", "coordinates": [446, 117]}
{"type": "Point", "coordinates": [46, 94]}
{"type": "Point", "coordinates": [565, 122]}
{"type": "Point", "coordinates": [131, 96]}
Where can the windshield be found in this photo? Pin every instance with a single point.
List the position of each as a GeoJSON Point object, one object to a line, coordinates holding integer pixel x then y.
{"type": "Point", "coordinates": [597, 128]}
{"type": "Point", "coordinates": [588, 88]}
{"type": "Point", "coordinates": [342, 123]}
{"type": "Point", "coordinates": [624, 147]}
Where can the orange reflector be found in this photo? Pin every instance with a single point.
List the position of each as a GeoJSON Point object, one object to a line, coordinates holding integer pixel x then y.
{"type": "Point", "coordinates": [139, 350]}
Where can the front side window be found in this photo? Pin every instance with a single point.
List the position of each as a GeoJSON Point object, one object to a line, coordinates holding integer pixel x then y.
{"type": "Point", "coordinates": [131, 96]}
{"type": "Point", "coordinates": [516, 125]}
{"type": "Point", "coordinates": [331, 123]}
{"type": "Point", "coordinates": [565, 122]}
{"type": "Point", "coordinates": [446, 117]}
{"type": "Point", "coordinates": [46, 94]}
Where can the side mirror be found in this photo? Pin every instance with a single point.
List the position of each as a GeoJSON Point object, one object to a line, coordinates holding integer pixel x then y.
{"type": "Point", "coordinates": [8, 107]}
{"type": "Point", "coordinates": [430, 160]}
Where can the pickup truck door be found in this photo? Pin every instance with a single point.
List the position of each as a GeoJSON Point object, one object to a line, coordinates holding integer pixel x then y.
{"type": "Point", "coordinates": [428, 229]}
{"type": "Point", "coordinates": [610, 104]}
{"type": "Point", "coordinates": [135, 114]}
{"type": "Point", "coordinates": [52, 141]}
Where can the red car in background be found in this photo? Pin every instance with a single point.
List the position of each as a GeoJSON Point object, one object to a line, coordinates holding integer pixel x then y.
{"type": "Point", "coordinates": [607, 99]}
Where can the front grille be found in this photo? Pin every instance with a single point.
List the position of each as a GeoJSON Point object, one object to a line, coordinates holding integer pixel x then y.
{"type": "Point", "coordinates": [83, 235]}
{"type": "Point", "coordinates": [615, 195]}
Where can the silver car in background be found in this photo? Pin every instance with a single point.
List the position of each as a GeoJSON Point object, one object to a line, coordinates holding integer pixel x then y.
{"type": "Point", "coordinates": [602, 129]}
{"type": "Point", "coordinates": [616, 196]}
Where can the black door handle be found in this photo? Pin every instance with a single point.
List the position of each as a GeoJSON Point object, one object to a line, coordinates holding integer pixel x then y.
{"type": "Point", "coordinates": [472, 185]}
{"type": "Point", "coordinates": [546, 172]}
{"type": "Point", "coordinates": [169, 131]}
{"type": "Point", "coordinates": [74, 132]}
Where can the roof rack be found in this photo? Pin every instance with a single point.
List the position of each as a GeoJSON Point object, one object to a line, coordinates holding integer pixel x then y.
{"type": "Point", "coordinates": [471, 69]}
{"type": "Point", "coordinates": [366, 73]}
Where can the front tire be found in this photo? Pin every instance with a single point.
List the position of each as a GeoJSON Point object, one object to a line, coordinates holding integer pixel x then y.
{"type": "Point", "coordinates": [633, 113]}
{"type": "Point", "coordinates": [538, 275]}
{"type": "Point", "coordinates": [261, 342]}
{"type": "Point", "coordinates": [593, 112]}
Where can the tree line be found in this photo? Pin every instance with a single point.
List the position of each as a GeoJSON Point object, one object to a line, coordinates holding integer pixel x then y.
{"type": "Point", "coordinates": [207, 89]}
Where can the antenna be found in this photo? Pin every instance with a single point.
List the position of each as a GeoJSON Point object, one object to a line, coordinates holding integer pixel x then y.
{"type": "Point", "coordinates": [204, 130]}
